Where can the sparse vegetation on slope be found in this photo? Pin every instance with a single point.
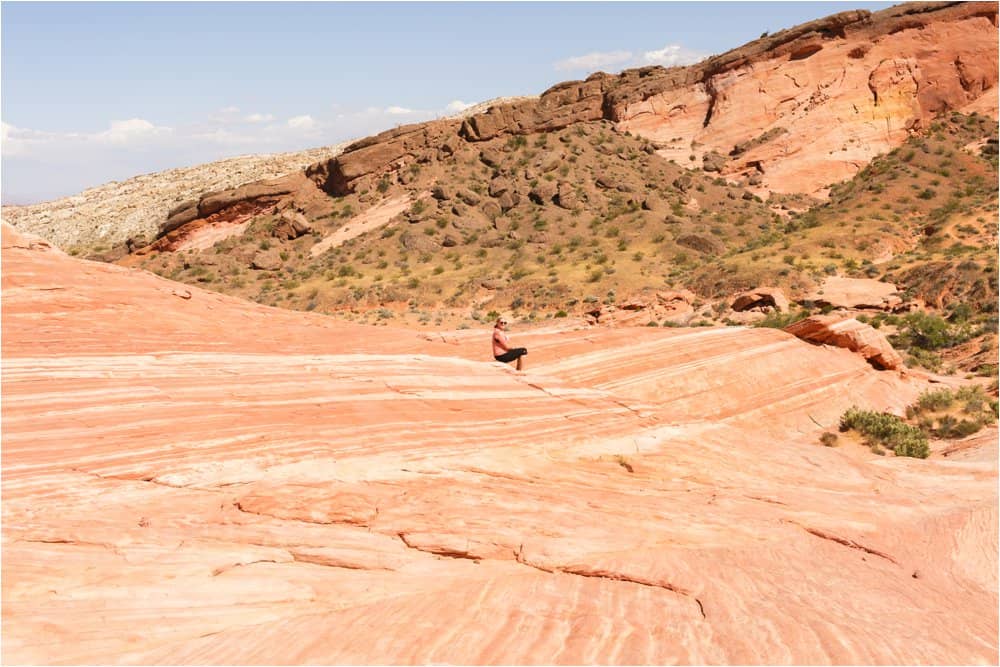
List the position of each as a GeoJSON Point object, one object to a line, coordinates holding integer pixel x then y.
{"type": "Point", "coordinates": [941, 413]}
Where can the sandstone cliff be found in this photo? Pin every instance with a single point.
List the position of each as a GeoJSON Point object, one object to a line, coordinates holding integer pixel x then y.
{"type": "Point", "coordinates": [189, 478]}
{"type": "Point", "coordinates": [794, 111]}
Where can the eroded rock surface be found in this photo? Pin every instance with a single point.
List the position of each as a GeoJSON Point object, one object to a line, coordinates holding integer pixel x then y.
{"type": "Point", "coordinates": [190, 479]}
{"type": "Point", "coordinates": [851, 334]}
{"type": "Point", "coordinates": [856, 293]}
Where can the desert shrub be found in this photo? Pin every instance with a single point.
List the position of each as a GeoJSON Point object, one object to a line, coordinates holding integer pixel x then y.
{"type": "Point", "coordinates": [948, 414]}
{"type": "Point", "coordinates": [928, 332]}
{"type": "Point", "coordinates": [828, 439]}
{"type": "Point", "coordinates": [779, 320]}
{"type": "Point", "coordinates": [886, 430]}
{"type": "Point", "coordinates": [924, 359]}
{"type": "Point", "coordinates": [934, 400]}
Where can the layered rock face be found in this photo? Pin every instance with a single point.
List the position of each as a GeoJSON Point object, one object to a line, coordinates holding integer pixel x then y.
{"type": "Point", "coordinates": [136, 208]}
{"type": "Point", "coordinates": [192, 479]}
{"type": "Point", "coordinates": [811, 106]}
{"type": "Point", "coordinates": [792, 112]}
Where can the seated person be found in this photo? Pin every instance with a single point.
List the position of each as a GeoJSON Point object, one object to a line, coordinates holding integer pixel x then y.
{"type": "Point", "coordinates": [502, 351]}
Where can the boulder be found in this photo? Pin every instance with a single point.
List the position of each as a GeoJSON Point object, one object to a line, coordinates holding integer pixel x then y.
{"type": "Point", "coordinates": [675, 299]}
{"type": "Point", "coordinates": [418, 242]}
{"type": "Point", "coordinates": [548, 162]}
{"type": "Point", "coordinates": [499, 185]}
{"type": "Point", "coordinates": [683, 182]}
{"type": "Point", "coordinates": [566, 196]}
{"type": "Point", "coordinates": [856, 293]}
{"type": "Point", "coordinates": [291, 225]}
{"type": "Point", "coordinates": [713, 161]}
{"type": "Point", "coordinates": [606, 181]}
{"type": "Point", "coordinates": [491, 209]}
{"type": "Point", "coordinates": [442, 192]}
{"type": "Point", "coordinates": [850, 334]}
{"type": "Point", "coordinates": [703, 244]}
{"type": "Point", "coordinates": [491, 157]}
{"type": "Point", "coordinates": [543, 193]}
{"type": "Point", "coordinates": [508, 200]}
{"type": "Point", "coordinates": [468, 196]}
{"type": "Point", "coordinates": [762, 297]}
{"type": "Point", "coordinates": [449, 145]}
{"type": "Point", "coordinates": [266, 260]}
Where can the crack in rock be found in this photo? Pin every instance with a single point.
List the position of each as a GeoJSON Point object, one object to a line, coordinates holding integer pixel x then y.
{"type": "Point", "coordinates": [82, 543]}
{"type": "Point", "coordinates": [356, 523]}
{"type": "Point", "coordinates": [848, 543]}
{"type": "Point", "coordinates": [617, 576]}
{"type": "Point", "coordinates": [447, 553]}
{"type": "Point", "coordinates": [327, 561]}
{"type": "Point", "coordinates": [226, 568]}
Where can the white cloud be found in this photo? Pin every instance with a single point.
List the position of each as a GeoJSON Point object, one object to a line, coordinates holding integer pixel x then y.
{"type": "Point", "coordinates": [229, 110]}
{"type": "Point", "coordinates": [304, 122]}
{"type": "Point", "coordinates": [19, 141]}
{"type": "Point", "coordinates": [131, 131]}
{"type": "Point", "coordinates": [672, 55]}
{"type": "Point", "coordinates": [594, 61]}
{"type": "Point", "coordinates": [259, 118]}
{"type": "Point", "coordinates": [398, 111]}
{"type": "Point", "coordinates": [457, 105]}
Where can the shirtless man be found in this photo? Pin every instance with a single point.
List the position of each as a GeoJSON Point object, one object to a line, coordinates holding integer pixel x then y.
{"type": "Point", "coordinates": [502, 351]}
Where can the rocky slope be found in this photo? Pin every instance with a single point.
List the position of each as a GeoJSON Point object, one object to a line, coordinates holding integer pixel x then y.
{"type": "Point", "coordinates": [189, 478]}
{"type": "Point", "coordinates": [795, 111]}
{"type": "Point", "coordinates": [110, 214]}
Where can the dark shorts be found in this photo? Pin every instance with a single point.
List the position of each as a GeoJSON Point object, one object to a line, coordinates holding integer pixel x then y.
{"type": "Point", "coordinates": [512, 354]}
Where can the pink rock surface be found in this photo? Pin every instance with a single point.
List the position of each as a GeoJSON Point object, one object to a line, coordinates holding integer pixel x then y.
{"type": "Point", "coordinates": [191, 479]}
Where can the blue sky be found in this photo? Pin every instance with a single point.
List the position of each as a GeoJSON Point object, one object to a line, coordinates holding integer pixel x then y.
{"type": "Point", "coordinates": [94, 92]}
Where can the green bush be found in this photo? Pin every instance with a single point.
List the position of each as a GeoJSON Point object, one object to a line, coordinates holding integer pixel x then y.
{"type": "Point", "coordinates": [779, 320]}
{"type": "Point", "coordinates": [929, 332]}
{"type": "Point", "coordinates": [974, 410]}
{"type": "Point", "coordinates": [886, 430]}
{"type": "Point", "coordinates": [934, 400]}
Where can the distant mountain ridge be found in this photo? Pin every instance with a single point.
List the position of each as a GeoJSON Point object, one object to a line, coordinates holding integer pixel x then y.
{"type": "Point", "coordinates": [109, 214]}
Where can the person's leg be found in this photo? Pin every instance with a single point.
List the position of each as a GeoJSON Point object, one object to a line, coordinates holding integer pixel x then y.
{"type": "Point", "coordinates": [519, 362]}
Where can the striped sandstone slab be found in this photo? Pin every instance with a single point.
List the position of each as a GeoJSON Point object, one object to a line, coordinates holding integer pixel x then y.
{"type": "Point", "coordinates": [188, 478]}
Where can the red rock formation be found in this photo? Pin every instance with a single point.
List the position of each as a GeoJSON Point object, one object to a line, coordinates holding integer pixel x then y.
{"type": "Point", "coordinates": [762, 297]}
{"type": "Point", "coordinates": [797, 110]}
{"type": "Point", "coordinates": [851, 334]}
{"type": "Point", "coordinates": [856, 293]}
{"type": "Point", "coordinates": [812, 105]}
{"type": "Point", "coordinates": [188, 478]}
